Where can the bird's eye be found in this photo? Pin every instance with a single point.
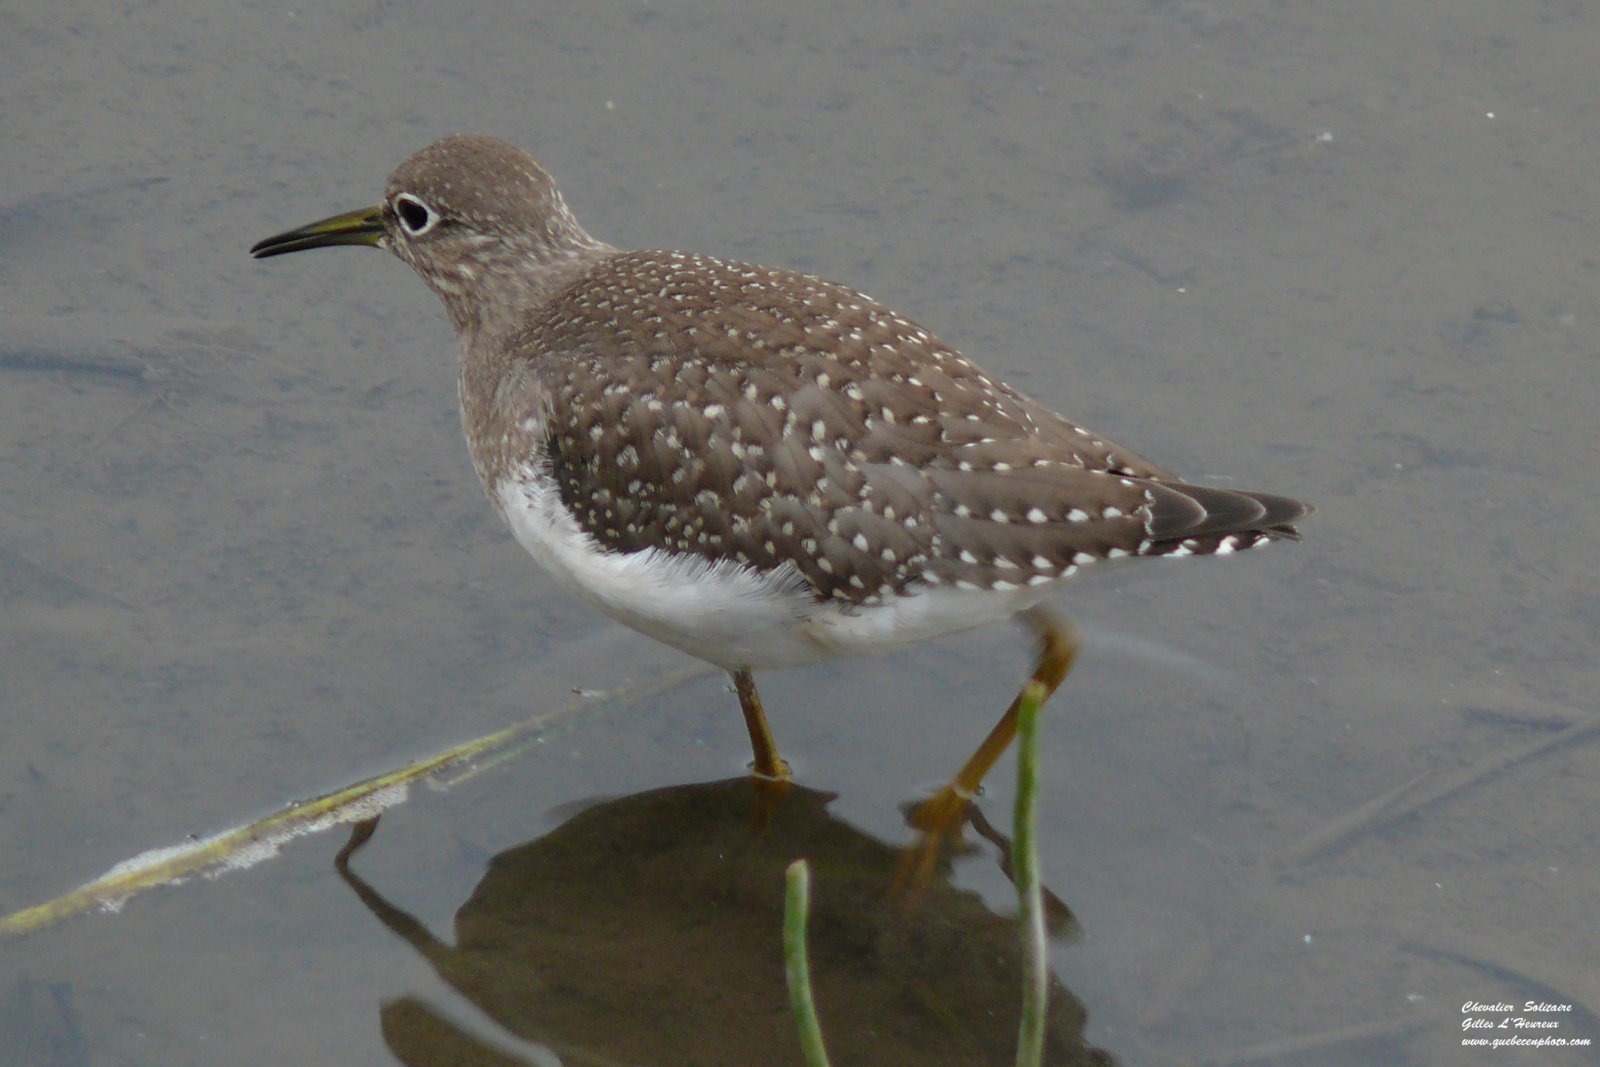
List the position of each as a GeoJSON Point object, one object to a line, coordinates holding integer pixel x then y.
{"type": "Point", "coordinates": [416, 217]}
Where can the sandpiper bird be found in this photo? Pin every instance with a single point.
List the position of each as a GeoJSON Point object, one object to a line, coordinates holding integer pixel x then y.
{"type": "Point", "coordinates": [759, 467]}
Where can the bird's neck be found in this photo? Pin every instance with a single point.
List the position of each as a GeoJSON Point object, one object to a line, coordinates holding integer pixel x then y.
{"type": "Point", "coordinates": [512, 287]}
{"type": "Point", "coordinates": [487, 319]}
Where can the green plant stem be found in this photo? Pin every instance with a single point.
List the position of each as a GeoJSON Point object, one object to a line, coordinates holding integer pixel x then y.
{"type": "Point", "coordinates": [1025, 866]}
{"type": "Point", "coordinates": [796, 910]}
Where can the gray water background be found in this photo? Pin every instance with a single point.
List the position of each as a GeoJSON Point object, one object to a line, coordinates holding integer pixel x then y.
{"type": "Point", "coordinates": [1342, 252]}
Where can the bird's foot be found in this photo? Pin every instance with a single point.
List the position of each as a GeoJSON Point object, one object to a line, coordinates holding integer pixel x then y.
{"type": "Point", "coordinates": [938, 820]}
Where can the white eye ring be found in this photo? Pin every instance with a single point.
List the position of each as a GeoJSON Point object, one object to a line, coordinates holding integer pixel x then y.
{"type": "Point", "coordinates": [416, 218]}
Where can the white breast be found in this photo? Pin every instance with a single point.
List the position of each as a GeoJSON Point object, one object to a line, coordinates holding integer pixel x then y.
{"type": "Point", "coordinates": [724, 612]}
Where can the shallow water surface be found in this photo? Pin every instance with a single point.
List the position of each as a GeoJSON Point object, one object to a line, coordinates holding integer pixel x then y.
{"type": "Point", "coordinates": [1301, 805]}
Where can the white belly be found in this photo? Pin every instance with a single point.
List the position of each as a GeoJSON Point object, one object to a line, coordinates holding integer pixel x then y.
{"type": "Point", "coordinates": [726, 613]}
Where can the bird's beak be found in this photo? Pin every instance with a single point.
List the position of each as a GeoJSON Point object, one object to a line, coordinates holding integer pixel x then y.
{"type": "Point", "coordinates": [362, 227]}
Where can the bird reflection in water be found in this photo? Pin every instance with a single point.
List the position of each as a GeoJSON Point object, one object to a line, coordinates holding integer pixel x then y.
{"type": "Point", "coordinates": [647, 930]}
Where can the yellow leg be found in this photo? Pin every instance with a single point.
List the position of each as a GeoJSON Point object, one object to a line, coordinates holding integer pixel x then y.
{"type": "Point", "coordinates": [941, 814]}
{"type": "Point", "coordinates": [768, 764]}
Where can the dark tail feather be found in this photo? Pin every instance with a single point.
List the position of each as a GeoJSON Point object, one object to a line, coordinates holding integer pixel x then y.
{"type": "Point", "coordinates": [1204, 520]}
